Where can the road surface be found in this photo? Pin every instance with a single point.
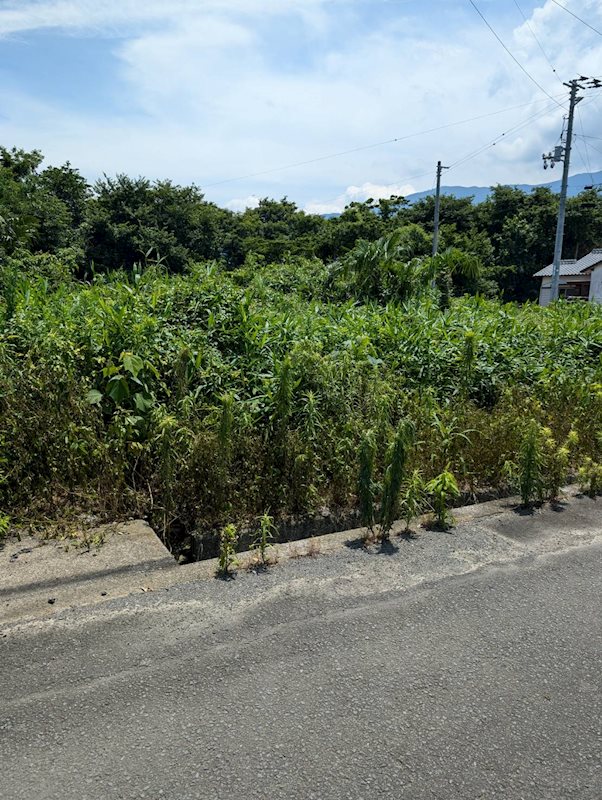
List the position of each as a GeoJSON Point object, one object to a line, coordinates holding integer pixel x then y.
{"type": "Point", "coordinates": [481, 685]}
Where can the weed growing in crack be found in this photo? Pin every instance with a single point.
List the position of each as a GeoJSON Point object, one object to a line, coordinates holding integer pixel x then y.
{"type": "Point", "coordinates": [530, 463]}
{"type": "Point", "coordinates": [394, 473]}
{"type": "Point", "coordinates": [227, 551]}
{"type": "Point", "coordinates": [266, 534]}
{"type": "Point", "coordinates": [443, 490]}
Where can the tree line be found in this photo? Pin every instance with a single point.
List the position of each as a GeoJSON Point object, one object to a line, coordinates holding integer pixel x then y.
{"type": "Point", "coordinates": [52, 216]}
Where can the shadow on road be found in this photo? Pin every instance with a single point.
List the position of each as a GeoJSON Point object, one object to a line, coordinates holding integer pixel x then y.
{"type": "Point", "coordinates": [383, 548]}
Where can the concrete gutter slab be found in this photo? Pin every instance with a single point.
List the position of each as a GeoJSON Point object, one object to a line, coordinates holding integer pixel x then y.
{"type": "Point", "coordinates": [40, 577]}
{"type": "Point", "coordinates": [132, 560]}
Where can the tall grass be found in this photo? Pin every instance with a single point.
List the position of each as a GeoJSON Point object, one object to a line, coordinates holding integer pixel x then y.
{"type": "Point", "coordinates": [209, 397]}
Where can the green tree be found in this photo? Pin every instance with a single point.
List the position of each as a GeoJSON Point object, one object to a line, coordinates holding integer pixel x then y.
{"type": "Point", "coordinates": [133, 221]}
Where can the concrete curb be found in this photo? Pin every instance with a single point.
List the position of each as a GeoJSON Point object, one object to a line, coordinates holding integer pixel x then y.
{"type": "Point", "coordinates": [133, 560]}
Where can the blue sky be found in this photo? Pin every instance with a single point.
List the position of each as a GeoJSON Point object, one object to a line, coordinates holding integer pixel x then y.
{"type": "Point", "coordinates": [206, 91]}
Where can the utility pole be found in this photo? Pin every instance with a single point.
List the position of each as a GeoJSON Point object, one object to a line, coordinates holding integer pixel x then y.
{"type": "Point", "coordinates": [563, 153]}
{"type": "Point", "coordinates": [440, 169]}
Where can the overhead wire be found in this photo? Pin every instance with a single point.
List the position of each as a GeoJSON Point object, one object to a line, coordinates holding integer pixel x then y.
{"type": "Point", "coordinates": [572, 13]}
{"type": "Point", "coordinates": [502, 136]}
{"type": "Point", "coordinates": [470, 155]}
{"type": "Point", "coordinates": [511, 54]}
{"type": "Point", "coordinates": [545, 55]}
{"type": "Point", "coordinates": [371, 146]}
{"type": "Point", "coordinates": [596, 149]}
{"type": "Point", "coordinates": [483, 148]}
{"type": "Point", "coordinates": [586, 161]}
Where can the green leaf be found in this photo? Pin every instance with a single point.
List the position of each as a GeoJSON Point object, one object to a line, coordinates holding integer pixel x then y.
{"type": "Point", "coordinates": [132, 364]}
{"type": "Point", "coordinates": [143, 402]}
{"type": "Point", "coordinates": [94, 397]}
{"type": "Point", "coordinates": [118, 389]}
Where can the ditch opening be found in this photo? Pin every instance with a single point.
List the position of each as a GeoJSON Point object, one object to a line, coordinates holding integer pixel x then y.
{"type": "Point", "coordinates": [199, 545]}
{"type": "Point", "coordinates": [190, 546]}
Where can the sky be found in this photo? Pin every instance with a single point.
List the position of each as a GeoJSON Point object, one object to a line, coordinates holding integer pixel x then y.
{"type": "Point", "coordinates": [237, 96]}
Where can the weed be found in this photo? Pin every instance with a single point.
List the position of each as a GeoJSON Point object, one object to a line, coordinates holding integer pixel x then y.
{"type": "Point", "coordinates": [213, 394]}
{"type": "Point", "coordinates": [530, 463]}
{"type": "Point", "coordinates": [590, 477]}
{"type": "Point", "coordinates": [397, 458]}
{"type": "Point", "coordinates": [413, 497]}
{"type": "Point", "coordinates": [557, 461]}
{"type": "Point", "coordinates": [266, 534]}
{"type": "Point", "coordinates": [313, 548]}
{"type": "Point", "coordinates": [443, 490]}
{"type": "Point", "coordinates": [226, 425]}
{"type": "Point", "coordinates": [227, 551]}
{"type": "Point", "coordinates": [366, 487]}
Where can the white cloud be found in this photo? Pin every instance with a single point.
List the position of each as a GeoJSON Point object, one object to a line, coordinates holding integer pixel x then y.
{"type": "Point", "coordinates": [358, 194]}
{"type": "Point", "coordinates": [242, 203]}
{"type": "Point", "coordinates": [26, 15]}
{"type": "Point", "coordinates": [225, 88]}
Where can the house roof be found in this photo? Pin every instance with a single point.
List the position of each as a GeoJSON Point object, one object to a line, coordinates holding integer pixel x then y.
{"type": "Point", "coordinates": [570, 266]}
{"type": "Point", "coordinates": [591, 259]}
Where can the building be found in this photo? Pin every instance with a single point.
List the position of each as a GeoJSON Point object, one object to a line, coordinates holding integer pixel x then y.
{"type": "Point", "coordinates": [579, 279]}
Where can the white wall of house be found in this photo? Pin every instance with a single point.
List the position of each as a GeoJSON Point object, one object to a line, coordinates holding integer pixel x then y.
{"type": "Point", "coordinates": [595, 289]}
{"type": "Point", "coordinates": [544, 291]}
{"type": "Point", "coordinates": [546, 285]}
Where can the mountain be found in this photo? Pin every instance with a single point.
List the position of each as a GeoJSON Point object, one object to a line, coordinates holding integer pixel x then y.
{"type": "Point", "coordinates": [576, 184]}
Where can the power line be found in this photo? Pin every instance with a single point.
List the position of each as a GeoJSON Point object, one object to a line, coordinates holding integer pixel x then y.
{"type": "Point", "coordinates": [484, 147]}
{"type": "Point", "coordinates": [568, 11]}
{"type": "Point", "coordinates": [512, 56]}
{"type": "Point", "coordinates": [595, 148]}
{"type": "Point", "coordinates": [317, 159]}
{"type": "Point", "coordinates": [586, 161]}
{"type": "Point", "coordinates": [499, 138]}
{"type": "Point", "coordinates": [545, 55]}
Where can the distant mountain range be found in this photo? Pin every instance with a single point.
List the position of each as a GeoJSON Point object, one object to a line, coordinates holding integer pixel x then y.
{"type": "Point", "coordinates": [479, 193]}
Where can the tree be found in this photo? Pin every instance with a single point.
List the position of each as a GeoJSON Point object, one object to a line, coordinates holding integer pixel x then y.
{"type": "Point", "coordinates": [272, 230]}
{"type": "Point", "coordinates": [583, 223]}
{"type": "Point", "coordinates": [41, 211]}
{"type": "Point", "coordinates": [132, 221]}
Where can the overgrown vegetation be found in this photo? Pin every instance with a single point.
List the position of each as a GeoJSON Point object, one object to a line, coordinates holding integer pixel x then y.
{"type": "Point", "coordinates": [209, 397]}
{"type": "Point", "coordinates": [201, 393]}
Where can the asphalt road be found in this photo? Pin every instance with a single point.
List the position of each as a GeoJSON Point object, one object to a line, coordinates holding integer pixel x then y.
{"type": "Point", "coordinates": [485, 685]}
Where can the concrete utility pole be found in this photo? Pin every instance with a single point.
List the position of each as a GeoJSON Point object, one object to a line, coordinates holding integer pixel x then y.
{"type": "Point", "coordinates": [563, 153]}
{"type": "Point", "coordinates": [440, 169]}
